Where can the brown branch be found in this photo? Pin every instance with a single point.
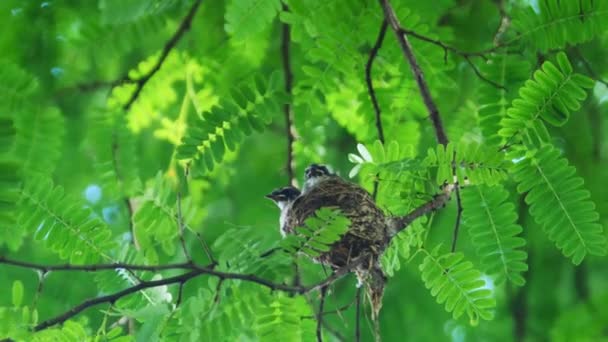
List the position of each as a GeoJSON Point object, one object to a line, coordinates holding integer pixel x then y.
{"type": "Point", "coordinates": [505, 22]}
{"type": "Point", "coordinates": [397, 224]}
{"type": "Point", "coordinates": [482, 77]}
{"type": "Point", "coordinates": [93, 268]}
{"type": "Point", "coordinates": [464, 54]}
{"type": "Point", "coordinates": [194, 271]}
{"type": "Point", "coordinates": [458, 218]}
{"type": "Point", "coordinates": [171, 43]}
{"type": "Point", "coordinates": [368, 79]}
{"type": "Point", "coordinates": [442, 138]}
{"type": "Point", "coordinates": [141, 82]}
{"type": "Point", "coordinates": [114, 297]}
{"type": "Point", "coordinates": [205, 247]}
{"type": "Point", "coordinates": [372, 93]}
{"type": "Point", "coordinates": [320, 314]}
{"type": "Point", "coordinates": [289, 121]}
{"type": "Point", "coordinates": [406, 48]}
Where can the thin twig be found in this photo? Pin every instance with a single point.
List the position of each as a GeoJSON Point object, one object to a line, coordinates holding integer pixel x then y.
{"type": "Point", "coordinates": [482, 77]}
{"type": "Point", "coordinates": [320, 314]}
{"type": "Point", "coordinates": [588, 67]}
{"type": "Point", "coordinates": [171, 43]}
{"type": "Point", "coordinates": [194, 271]}
{"type": "Point", "coordinates": [458, 218]}
{"type": "Point", "coordinates": [368, 79]}
{"type": "Point", "coordinates": [372, 93]}
{"type": "Point", "coordinates": [334, 311]}
{"type": "Point", "coordinates": [205, 248]}
{"type": "Point", "coordinates": [180, 226]}
{"type": "Point", "coordinates": [465, 55]}
{"type": "Point", "coordinates": [505, 22]}
{"type": "Point", "coordinates": [289, 121]}
{"type": "Point", "coordinates": [358, 315]}
{"type": "Point", "coordinates": [113, 298]}
{"type": "Point", "coordinates": [406, 48]}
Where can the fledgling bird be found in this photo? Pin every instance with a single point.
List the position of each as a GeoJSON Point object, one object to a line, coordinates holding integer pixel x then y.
{"type": "Point", "coordinates": [367, 235]}
{"type": "Point", "coordinates": [314, 174]}
{"type": "Point", "coordinates": [283, 198]}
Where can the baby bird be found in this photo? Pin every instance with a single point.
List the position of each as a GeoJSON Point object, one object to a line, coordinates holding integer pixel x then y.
{"type": "Point", "coordinates": [314, 174]}
{"type": "Point", "coordinates": [283, 198]}
{"type": "Point", "coordinates": [366, 237]}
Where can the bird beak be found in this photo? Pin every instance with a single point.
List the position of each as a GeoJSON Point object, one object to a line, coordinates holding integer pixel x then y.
{"type": "Point", "coordinates": [270, 196]}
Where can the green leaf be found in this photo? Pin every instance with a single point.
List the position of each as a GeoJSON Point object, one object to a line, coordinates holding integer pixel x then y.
{"type": "Point", "coordinates": [17, 293]}
{"type": "Point", "coordinates": [559, 203]}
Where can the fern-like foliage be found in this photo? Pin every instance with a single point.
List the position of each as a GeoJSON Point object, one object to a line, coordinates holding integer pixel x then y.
{"type": "Point", "coordinates": [116, 161]}
{"type": "Point", "coordinates": [115, 12]}
{"type": "Point", "coordinates": [231, 319]}
{"type": "Point", "coordinates": [401, 247]}
{"type": "Point", "coordinates": [156, 219]}
{"type": "Point", "coordinates": [473, 162]}
{"type": "Point", "coordinates": [62, 223]}
{"type": "Point", "coordinates": [509, 71]}
{"type": "Point", "coordinates": [251, 107]}
{"type": "Point", "coordinates": [559, 23]}
{"type": "Point", "coordinates": [39, 141]}
{"type": "Point", "coordinates": [16, 86]}
{"type": "Point", "coordinates": [457, 284]}
{"type": "Point", "coordinates": [491, 222]}
{"type": "Point", "coordinates": [10, 184]}
{"type": "Point", "coordinates": [559, 203]}
{"type": "Point", "coordinates": [240, 250]}
{"type": "Point", "coordinates": [318, 233]}
{"type": "Point", "coordinates": [282, 320]}
{"type": "Point", "coordinates": [555, 92]}
{"type": "Point", "coordinates": [248, 17]}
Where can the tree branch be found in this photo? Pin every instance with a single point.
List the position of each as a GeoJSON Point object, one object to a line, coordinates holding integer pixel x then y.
{"type": "Point", "coordinates": [289, 121]}
{"type": "Point", "coordinates": [171, 43]}
{"type": "Point", "coordinates": [113, 298]}
{"type": "Point", "coordinates": [372, 93]}
{"type": "Point", "coordinates": [442, 138]}
{"type": "Point", "coordinates": [141, 81]}
{"type": "Point", "coordinates": [193, 271]}
{"type": "Point", "coordinates": [320, 314]}
{"type": "Point", "coordinates": [406, 48]}
{"type": "Point", "coordinates": [368, 79]}
{"type": "Point", "coordinates": [458, 218]}
{"type": "Point", "coordinates": [465, 55]}
{"type": "Point", "coordinates": [398, 224]}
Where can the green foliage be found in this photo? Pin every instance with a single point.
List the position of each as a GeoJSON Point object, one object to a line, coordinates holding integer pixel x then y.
{"type": "Point", "coordinates": [40, 133]}
{"type": "Point", "coordinates": [559, 203]}
{"type": "Point", "coordinates": [318, 233]}
{"type": "Point", "coordinates": [561, 23]}
{"type": "Point", "coordinates": [457, 284]}
{"type": "Point", "coordinates": [62, 223]}
{"type": "Point", "coordinates": [282, 320]}
{"type": "Point", "coordinates": [470, 163]}
{"type": "Point", "coordinates": [555, 92]}
{"type": "Point", "coordinates": [251, 107]}
{"type": "Point", "coordinates": [246, 18]}
{"type": "Point", "coordinates": [510, 72]}
{"type": "Point", "coordinates": [10, 183]}
{"type": "Point", "coordinates": [491, 222]}
{"type": "Point", "coordinates": [99, 143]}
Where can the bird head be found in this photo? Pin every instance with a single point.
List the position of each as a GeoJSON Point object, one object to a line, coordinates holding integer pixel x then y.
{"type": "Point", "coordinates": [284, 195]}
{"type": "Point", "coordinates": [316, 170]}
